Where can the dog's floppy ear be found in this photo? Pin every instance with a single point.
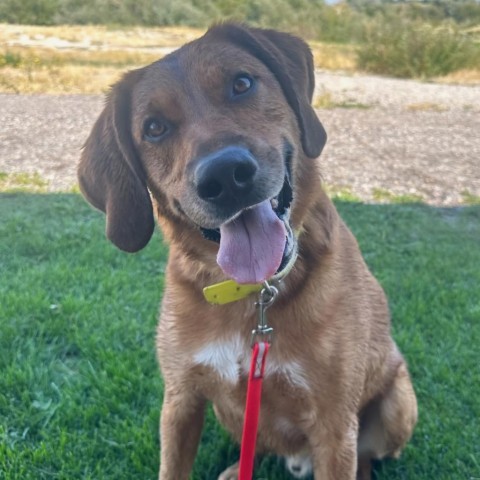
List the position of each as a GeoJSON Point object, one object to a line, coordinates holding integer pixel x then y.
{"type": "Point", "coordinates": [111, 176]}
{"type": "Point", "coordinates": [289, 58]}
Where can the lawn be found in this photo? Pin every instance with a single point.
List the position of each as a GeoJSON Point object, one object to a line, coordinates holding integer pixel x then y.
{"type": "Point", "coordinates": [80, 391]}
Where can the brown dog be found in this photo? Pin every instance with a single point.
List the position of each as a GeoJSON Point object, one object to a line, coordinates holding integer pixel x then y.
{"type": "Point", "coordinates": [220, 139]}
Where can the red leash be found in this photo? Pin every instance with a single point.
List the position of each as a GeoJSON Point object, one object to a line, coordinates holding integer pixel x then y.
{"type": "Point", "coordinates": [261, 340]}
{"type": "Point", "coordinates": [252, 410]}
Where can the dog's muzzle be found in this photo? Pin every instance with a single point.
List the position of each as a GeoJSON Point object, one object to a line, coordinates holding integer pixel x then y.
{"type": "Point", "coordinates": [259, 241]}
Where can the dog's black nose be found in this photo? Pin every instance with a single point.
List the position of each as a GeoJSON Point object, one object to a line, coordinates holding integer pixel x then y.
{"type": "Point", "coordinates": [225, 176]}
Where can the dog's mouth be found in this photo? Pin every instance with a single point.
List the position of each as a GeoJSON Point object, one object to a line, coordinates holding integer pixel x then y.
{"type": "Point", "coordinates": [259, 241]}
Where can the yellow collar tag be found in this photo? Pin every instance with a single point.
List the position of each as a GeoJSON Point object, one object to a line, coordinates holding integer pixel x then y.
{"type": "Point", "coordinates": [229, 291]}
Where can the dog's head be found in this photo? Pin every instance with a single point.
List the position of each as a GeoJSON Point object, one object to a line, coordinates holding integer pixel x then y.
{"type": "Point", "coordinates": [213, 131]}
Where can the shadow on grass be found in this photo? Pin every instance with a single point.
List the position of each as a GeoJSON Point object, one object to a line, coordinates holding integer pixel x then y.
{"type": "Point", "coordinates": [80, 391]}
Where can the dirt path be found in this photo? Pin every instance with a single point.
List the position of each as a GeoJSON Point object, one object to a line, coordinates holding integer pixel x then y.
{"type": "Point", "coordinates": [397, 136]}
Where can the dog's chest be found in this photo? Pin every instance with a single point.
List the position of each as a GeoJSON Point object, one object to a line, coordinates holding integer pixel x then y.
{"type": "Point", "coordinates": [229, 359]}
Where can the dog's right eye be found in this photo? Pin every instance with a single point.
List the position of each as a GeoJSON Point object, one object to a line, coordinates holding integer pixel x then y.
{"type": "Point", "coordinates": [242, 84]}
{"type": "Point", "coordinates": [154, 130]}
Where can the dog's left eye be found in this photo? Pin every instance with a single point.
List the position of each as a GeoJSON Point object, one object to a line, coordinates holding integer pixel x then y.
{"type": "Point", "coordinates": [242, 84]}
{"type": "Point", "coordinates": [154, 130]}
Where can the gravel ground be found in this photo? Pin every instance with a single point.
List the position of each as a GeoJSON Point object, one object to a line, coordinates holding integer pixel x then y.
{"type": "Point", "coordinates": [400, 136]}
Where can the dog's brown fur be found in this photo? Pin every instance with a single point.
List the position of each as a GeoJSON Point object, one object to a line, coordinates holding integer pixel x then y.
{"type": "Point", "coordinates": [354, 401]}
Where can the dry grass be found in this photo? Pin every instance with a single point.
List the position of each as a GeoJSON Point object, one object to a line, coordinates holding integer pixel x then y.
{"type": "Point", "coordinates": [67, 79]}
{"type": "Point", "coordinates": [334, 56]}
{"type": "Point", "coordinates": [323, 100]}
{"type": "Point", "coordinates": [426, 107]}
{"type": "Point", "coordinates": [461, 77]}
{"type": "Point", "coordinates": [41, 56]}
{"type": "Point", "coordinates": [96, 35]}
{"type": "Point", "coordinates": [43, 70]}
{"type": "Point", "coordinates": [79, 59]}
{"type": "Point", "coordinates": [88, 59]}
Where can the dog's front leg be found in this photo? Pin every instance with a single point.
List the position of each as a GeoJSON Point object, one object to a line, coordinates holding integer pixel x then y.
{"type": "Point", "coordinates": [334, 451]}
{"type": "Point", "coordinates": [180, 429]}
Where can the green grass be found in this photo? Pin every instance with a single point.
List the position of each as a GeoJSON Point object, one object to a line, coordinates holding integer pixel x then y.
{"type": "Point", "coordinates": [470, 198]}
{"type": "Point", "coordinates": [79, 387]}
{"type": "Point", "coordinates": [408, 49]}
{"type": "Point", "coordinates": [25, 182]}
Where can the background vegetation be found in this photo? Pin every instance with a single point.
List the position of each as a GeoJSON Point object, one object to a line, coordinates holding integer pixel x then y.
{"type": "Point", "coordinates": [340, 22]}
{"type": "Point", "coordinates": [401, 38]}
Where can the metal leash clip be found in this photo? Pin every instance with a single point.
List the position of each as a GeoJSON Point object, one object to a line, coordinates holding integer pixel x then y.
{"type": "Point", "coordinates": [263, 332]}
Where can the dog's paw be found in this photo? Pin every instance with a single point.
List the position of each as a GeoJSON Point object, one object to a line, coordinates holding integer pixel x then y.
{"type": "Point", "coordinates": [300, 466]}
{"type": "Point", "coordinates": [231, 473]}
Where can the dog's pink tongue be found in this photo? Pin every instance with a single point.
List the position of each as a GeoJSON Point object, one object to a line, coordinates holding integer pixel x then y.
{"type": "Point", "coordinates": [252, 245]}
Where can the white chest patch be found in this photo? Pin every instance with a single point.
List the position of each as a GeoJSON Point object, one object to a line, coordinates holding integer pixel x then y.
{"type": "Point", "coordinates": [231, 358]}
{"type": "Point", "coordinates": [223, 356]}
